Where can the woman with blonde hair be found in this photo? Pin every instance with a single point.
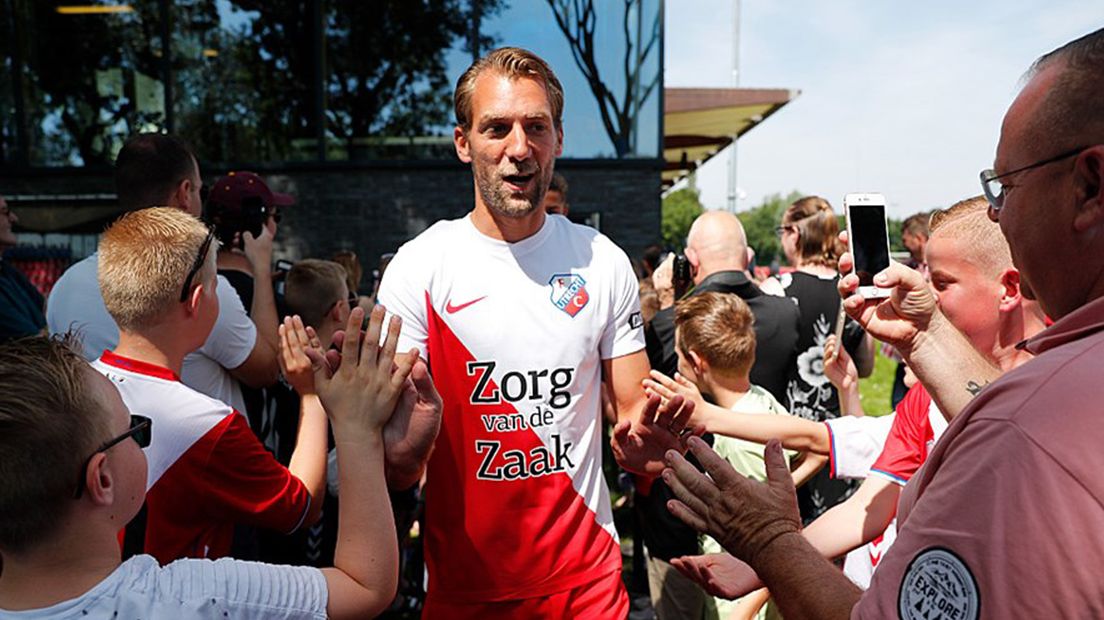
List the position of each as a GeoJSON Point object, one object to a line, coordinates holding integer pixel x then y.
{"type": "Point", "coordinates": [810, 240]}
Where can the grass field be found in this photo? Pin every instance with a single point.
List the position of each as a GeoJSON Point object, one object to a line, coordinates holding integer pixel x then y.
{"type": "Point", "coordinates": [875, 390]}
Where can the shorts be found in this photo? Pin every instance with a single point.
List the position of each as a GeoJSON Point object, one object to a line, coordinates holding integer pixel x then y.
{"type": "Point", "coordinates": [602, 599]}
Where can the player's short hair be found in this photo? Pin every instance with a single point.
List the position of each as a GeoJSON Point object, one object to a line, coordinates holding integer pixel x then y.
{"type": "Point", "coordinates": [720, 328]}
{"type": "Point", "coordinates": [149, 168]}
{"type": "Point", "coordinates": [51, 420]}
{"type": "Point", "coordinates": [984, 244]}
{"type": "Point", "coordinates": [145, 256]}
{"type": "Point", "coordinates": [1070, 116]}
{"type": "Point", "coordinates": [312, 288]}
{"type": "Point", "coordinates": [515, 63]}
{"type": "Point", "coordinates": [916, 224]}
{"type": "Point", "coordinates": [818, 230]}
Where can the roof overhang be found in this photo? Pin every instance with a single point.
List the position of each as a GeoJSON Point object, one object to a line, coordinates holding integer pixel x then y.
{"type": "Point", "coordinates": [699, 122]}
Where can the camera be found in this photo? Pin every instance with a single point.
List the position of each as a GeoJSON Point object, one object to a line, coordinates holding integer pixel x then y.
{"type": "Point", "coordinates": [681, 278]}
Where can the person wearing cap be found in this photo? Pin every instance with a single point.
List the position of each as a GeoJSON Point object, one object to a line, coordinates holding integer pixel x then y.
{"type": "Point", "coordinates": [155, 169]}
{"type": "Point", "coordinates": [244, 212]}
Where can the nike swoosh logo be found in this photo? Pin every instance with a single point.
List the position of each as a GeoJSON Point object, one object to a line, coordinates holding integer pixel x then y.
{"type": "Point", "coordinates": [451, 308]}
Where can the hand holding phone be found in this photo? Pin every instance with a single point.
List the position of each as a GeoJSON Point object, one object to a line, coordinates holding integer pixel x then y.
{"type": "Point", "coordinates": [868, 237]}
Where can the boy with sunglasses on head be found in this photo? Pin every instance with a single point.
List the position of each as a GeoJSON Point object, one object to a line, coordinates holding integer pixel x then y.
{"type": "Point", "coordinates": [61, 422]}
{"type": "Point", "coordinates": [207, 470]}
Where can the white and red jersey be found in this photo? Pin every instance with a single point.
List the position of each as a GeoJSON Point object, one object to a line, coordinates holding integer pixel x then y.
{"type": "Point", "coordinates": [207, 470]}
{"type": "Point", "coordinates": [917, 425]}
{"type": "Point", "coordinates": [515, 335]}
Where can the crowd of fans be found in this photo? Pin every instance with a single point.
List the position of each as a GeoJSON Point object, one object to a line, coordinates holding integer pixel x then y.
{"type": "Point", "coordinates": [305, 448]}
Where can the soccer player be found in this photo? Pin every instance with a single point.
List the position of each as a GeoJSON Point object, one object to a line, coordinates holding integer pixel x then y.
{"type": "Point", "coordinates": [63, 423]}
{"type": "Point", "coordinates": [522, 317]}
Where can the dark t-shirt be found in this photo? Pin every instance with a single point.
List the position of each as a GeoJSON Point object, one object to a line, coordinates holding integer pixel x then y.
{"type": "Point", "coordinates": [776, 327]}
{"type": "Point", "coordinates": [809, 394]}
{"type": "Point", "coordinates": [20, 305]}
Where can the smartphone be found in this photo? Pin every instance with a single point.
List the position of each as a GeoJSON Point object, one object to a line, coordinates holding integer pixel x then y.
{"type": "Point", "coordinates": [868, 237]}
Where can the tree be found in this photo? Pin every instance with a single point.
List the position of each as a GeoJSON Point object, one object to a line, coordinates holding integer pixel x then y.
{"type": "Point", "coordinates": [577, 20]}
{"type": "Point", "coordinates": [679, 210]}
{"type": "Point", "coordinates": [761, 223]}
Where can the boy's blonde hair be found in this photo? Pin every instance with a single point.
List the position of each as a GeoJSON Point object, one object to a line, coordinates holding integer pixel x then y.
{"type": "Point", "coordinates": [984, 245]}
{"type": "Point", "coordinates": [145, 257]}
{"type": "Point", "coordinates": [719, 327]}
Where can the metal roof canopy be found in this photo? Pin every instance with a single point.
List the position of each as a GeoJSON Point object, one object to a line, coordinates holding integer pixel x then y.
{"type": "Point", "coordinates": [699, 122]}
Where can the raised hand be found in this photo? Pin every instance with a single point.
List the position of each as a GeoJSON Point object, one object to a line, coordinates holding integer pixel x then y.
{"type": "Point", "coordinates": [719, 574]}
{"type": "Point", "coordinates": [296, 367]}
{"type": "Point", "coordinates": [839, 368]}
{"type": "Point", "coordinates": [366, 386]}
{"type": "Point", "coordinates": [409, 435]}
{"type": "Point", "coordinates": [743, 515]}
{"type": "Point", "coordinates": [639, 446]}
{"type": "Point", "coordinates": [898, 319]}
{"type": "Point", "coordinates": [667, 388]}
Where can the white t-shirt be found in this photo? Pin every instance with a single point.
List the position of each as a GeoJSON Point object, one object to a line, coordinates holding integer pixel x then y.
{"type": "Point", "coordinates": [226, 588]}
{"type": "Point", "coordinates": [855, 443]}
{"type": "Point", "coordinates": [515, 335]}
{"type": "Point", "coordinates": [75, 303]}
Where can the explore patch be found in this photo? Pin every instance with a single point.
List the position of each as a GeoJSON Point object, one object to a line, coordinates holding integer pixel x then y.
{"type": "Point", "coordinates": [938, 586]}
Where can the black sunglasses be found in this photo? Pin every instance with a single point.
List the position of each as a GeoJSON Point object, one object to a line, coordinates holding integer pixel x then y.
{"type": "Point", "coordinates": [140, 429]}
{"type": "Point", "coordinates": [197, 265]}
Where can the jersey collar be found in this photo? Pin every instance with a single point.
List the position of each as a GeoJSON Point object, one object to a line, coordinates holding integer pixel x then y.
{"type": "Point", "coordinates": [137, 366]}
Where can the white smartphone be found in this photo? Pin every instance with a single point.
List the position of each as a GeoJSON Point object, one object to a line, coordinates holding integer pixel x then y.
{"type": "Point", "coordinates": [868, 236]}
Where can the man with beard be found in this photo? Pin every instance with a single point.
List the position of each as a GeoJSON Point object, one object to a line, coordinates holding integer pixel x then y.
{"type": "Point", "coordinates": [522, 318]}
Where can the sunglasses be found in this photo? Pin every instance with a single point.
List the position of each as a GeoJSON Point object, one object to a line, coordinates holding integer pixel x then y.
{"type": "Point", "coordinates": [197, 265]}
{"type": "Point", "coordinates": [140, 429]}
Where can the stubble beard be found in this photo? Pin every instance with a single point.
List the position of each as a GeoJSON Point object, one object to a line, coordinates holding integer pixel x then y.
{"type": "Point", "coordinates": [501, 201]}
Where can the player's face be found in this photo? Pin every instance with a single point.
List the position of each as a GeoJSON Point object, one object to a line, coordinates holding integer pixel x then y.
{"type": "Point", "coordinates": [967, 296]}
{"type": "Point", "coordinates": [125, 459]}
{"type": "Point", "coordinates": [512, 144]}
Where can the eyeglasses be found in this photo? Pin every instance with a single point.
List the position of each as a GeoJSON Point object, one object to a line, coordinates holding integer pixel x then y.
{"type": "Point", "coordinates": [197, 265]}
{"type": "Point", "coordinates": [995, 190]}
{"type": "Point", "coordinates": [140, 429]}
{"type": "Point", "coordinates": [782, 230]}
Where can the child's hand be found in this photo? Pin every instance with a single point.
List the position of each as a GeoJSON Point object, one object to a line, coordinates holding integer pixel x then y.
{"type": "Point", "coordinates": [295, 339]}
{"type": "Point", "coordinates": [665, 387]}
{"type": "Point", "coordinates": [839, 368]}
{"type": "Point", "coordinates": [364, 389]}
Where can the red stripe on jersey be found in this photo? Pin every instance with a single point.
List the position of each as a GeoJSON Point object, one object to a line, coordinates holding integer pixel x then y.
{"type": "Point", "coordinates": [138, 366]}
{"type": "Point", "coordinates": [486, 539]}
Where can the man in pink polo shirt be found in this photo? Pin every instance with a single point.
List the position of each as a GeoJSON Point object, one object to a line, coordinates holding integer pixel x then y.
{"type": "Point", "coordinates": [1003, 521]}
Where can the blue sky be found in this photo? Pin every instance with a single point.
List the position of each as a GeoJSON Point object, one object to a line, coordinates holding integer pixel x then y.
{"type": "Point", "coordinates": [902, 98]}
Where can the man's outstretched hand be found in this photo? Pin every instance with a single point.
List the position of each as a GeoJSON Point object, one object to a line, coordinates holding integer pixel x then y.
{"type": "Point", "coordinates": [639, 446]}
{"type": "Point", "coordinates": [743, 515]}
{"type": "Point", "coordinates": [719, 574]}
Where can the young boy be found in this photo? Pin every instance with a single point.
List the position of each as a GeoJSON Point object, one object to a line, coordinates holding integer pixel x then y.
{"type": "Point", "coordinates": [715, 344]}
{"type": "Point", "coordinates": [207, 470]}
{"type": "Point", "coordinates": [61, 422]}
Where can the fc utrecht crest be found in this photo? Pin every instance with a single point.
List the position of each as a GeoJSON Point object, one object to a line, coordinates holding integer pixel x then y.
{"type": "Point", "coordinates": [569, 292]}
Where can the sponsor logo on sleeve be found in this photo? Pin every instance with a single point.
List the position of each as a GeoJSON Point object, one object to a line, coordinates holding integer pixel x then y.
{"type": "Point", "coordinates": [938, 586]}
{"type": "Point", "coordinates": [569, 293]}
{"type": "Point", "coordinates": [636, 320]}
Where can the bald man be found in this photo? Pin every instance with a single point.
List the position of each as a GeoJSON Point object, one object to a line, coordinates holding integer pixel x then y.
{"type": "Point", "coordinates": [716, 248]}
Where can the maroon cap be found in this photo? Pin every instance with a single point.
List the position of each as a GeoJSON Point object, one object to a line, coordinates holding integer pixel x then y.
{"type": "Point", "coordinates": [230, 190]}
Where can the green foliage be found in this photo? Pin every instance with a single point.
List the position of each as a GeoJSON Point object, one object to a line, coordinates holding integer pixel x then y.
{"type": "Point", "coordinates": [876, 391]}
{"type": "Point", "coordinates": [680, 209]}
{"type": "Point", "coordinates": [760, 223]}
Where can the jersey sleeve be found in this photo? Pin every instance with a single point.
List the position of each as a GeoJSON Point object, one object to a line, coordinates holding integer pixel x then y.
{"type": "Point", "coordinates": [402, 292]}
{"type": "Point", "coordinates": [246, 484]}
{"type": "Point", "coordinates": [624, 331]}
{"type": "Point", "coordinates": [855, 443]}
{"type": "Point", "coordinates": [238, 589]}
{"type": "Point", "coordinates": [904, 446]}
{"type": "Point", "coordinates": [234, 334]}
